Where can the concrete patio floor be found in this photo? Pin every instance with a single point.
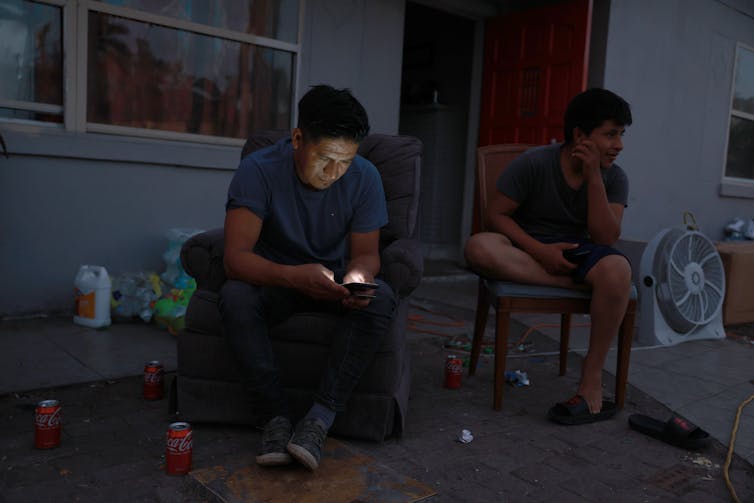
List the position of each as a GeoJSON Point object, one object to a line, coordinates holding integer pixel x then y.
{"type": "Point", "coordinates": [113, 440]}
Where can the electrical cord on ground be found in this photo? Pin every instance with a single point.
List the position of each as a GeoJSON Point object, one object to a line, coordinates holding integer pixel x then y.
{"type": "Point", "coordinates": [729, 456]}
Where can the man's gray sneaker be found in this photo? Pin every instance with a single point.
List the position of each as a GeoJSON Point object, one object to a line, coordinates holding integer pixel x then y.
{"type": "Point", "coordinates": [306, 444]}
{"type": "Point", "coordinates": [277, 433]}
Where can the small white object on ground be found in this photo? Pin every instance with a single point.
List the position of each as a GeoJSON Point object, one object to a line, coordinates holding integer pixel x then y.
{"type": "Point", "coordinates": [465, 437]}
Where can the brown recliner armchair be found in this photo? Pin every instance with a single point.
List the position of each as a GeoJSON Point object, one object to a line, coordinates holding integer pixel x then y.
{"type": "Point", "coordinates": [207, 386]}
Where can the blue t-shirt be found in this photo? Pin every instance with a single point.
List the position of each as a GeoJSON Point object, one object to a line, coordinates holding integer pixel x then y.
{"type": "Point", "coordinates": [301, 225]}
{"type": "Point", "coordinates": [548, 207]}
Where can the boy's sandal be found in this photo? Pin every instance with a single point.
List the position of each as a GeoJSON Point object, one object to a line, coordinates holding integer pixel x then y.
{"type": "Point", "coordinates": [576, 411]}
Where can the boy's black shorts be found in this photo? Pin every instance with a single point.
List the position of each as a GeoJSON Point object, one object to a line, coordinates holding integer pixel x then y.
{"type": "Point", "coordinates": [596, 253]}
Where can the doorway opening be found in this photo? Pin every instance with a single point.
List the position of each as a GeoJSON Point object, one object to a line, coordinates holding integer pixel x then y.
{"type": "Point", "coordinates": [435, 96]}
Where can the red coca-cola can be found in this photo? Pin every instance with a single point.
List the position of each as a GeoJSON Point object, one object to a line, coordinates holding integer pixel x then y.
{"type": "Point", "coordinates": [178, 449]}
{"type": "Point", "coordinates": [453, 371]}
{"type": "Point", "coordinates": [153, 380]}
{"type": "Point", "coordinates": [47, 418]}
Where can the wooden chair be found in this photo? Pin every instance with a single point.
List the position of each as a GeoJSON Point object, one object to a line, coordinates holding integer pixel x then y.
{"type": "Point", "coordinates": [509, 297]}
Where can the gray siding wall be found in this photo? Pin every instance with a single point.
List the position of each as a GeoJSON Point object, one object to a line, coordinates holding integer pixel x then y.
{"type": "Point", "coordinates": [673, 61]}
{"type": "Point", "coordinates": [61, 212]}
{"type": "Point", "coordinates": [359, 45]}
{"type": "Point", "coordinates": [70, 199]}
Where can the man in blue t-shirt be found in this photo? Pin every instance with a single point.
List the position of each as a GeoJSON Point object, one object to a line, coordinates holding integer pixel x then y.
{"type": "Point", "coordinates": [302, 220]}
{"type": "Point", "coordinates": [554, 218]}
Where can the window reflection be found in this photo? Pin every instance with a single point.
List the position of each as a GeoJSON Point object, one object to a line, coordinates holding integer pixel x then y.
{"type": "Point", "coordinates": [740, 163]}
{"type": "Point", "coordinates": [743, 97]}
{"type": "Point", "coordinates": [31, 56]}
{"type": "Point", "coordinates": [276, 19]}
{"type": "Point", "coordinates": [149, 76]}
{"type": "Point", "coordinates": [740, 159]}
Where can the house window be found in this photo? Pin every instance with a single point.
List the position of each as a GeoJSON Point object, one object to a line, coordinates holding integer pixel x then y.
{"type": "Point", "coordinates": [277, 19]}
{"type": "Point", "coordinates": [740, 159]}
{"type": "Point", "coordinates": [31, 61]}
{"type": "Point", "coordinates": [185, 69]}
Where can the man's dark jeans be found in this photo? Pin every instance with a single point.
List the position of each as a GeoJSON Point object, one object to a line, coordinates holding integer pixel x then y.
{"type": "Point", "coordinates": [247, 313]}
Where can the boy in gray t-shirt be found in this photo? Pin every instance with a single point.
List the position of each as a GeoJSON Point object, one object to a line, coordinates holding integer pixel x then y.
{"type": "Point", "coordinates": [553, 221]}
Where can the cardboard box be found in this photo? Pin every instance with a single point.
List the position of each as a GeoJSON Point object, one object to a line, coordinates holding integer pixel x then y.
{"type": "Point", "coordinates": [738, 261]}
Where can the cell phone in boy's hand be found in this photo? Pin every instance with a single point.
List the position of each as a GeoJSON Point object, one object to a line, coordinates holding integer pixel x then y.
{"type": "Point", "coordinates": [358, 287]}
{"type": "Point", "coordinates": [360, 295]}
{"type": "Point", "coordinates": [576, 255]}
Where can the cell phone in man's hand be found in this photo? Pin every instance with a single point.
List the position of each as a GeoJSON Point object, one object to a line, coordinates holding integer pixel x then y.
{"type": "Point", "coordinates": [357, 289]}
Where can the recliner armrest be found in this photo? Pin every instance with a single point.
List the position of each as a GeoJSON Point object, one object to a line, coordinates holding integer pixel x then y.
{"type": "Point", "coordinates": [202, 259]}
{"type": "Point", "coordinates": [402, 265]}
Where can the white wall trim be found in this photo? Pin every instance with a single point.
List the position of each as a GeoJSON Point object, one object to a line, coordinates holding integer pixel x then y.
{"type": "Point", "coordinates": [50, 140]}
{"type": "Point", "coordinates": [737, 188]}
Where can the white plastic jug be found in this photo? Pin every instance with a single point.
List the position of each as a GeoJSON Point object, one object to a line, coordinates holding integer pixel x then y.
{"type": "Point", "coordinates": [92, 289]}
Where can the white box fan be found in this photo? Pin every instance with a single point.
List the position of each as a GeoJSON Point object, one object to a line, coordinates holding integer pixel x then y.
{"type": "Point", "coordinates": [682, 288]}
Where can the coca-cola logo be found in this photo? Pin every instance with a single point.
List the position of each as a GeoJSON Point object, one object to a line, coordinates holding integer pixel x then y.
{"type": "Point", "coordinates": [454, 366]}
{"type": "Point", "coordinates": [180, 445]}
{"type": "Point", "coordinates": [153, 377]}
{"type": "Point", "coordinates": [47, 421]}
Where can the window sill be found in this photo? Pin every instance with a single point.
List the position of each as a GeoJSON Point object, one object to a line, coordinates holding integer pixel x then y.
{"type": "Point", "coordinates": [54, 141]}
{"type": "Point", "coordinates": [737, 189]}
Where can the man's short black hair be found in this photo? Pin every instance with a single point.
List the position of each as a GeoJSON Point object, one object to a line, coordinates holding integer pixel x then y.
{"type": "Point", "coordinates": [589, 109]}
{"type": "Point", "coordinates": [326, 112]}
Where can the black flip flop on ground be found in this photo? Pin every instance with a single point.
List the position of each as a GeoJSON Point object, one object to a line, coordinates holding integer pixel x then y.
{"type": "Point", "coordinates": [576, 411]}
{"type": "Point", "coordinates": [675, 431]}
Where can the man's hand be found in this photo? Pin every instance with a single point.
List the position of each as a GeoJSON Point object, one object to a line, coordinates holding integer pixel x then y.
{"type": "Point", "coordinates": [318, 282]}
{"type": "Point", "coordinates": [353, 301]}
{"type": "Point", "coordinates": [551, 257]}
{"type": "Point", "coordinates": [587, 152]}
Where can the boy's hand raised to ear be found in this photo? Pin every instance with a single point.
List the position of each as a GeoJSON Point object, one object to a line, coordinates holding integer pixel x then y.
{"type": "Point", "coordinates": [587, 152]}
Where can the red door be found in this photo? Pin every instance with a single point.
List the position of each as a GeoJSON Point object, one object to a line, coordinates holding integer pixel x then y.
{"type": "Point", "coordinates": [535, 61]}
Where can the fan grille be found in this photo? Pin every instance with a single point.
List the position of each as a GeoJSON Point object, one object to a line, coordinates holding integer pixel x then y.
{"type": "Point", "coordinates": [691, 279]}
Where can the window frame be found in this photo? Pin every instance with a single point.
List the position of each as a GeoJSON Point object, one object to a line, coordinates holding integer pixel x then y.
{"type": "Point", "coordinates": [34, 106]}
{"type": "Point", "coordinates": [734, 186]}
{"type": "Point", "coordinates": [75, 25]}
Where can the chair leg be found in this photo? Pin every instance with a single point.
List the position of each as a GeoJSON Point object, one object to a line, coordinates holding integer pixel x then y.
{"type": "Point", "coordinates": [565, 334]}
{"type": "Point", "coordinates": [502, 327]}
{"type": "Point", "coordinates": [480, 323]}
{"type": "Point", "coordinates": [625, 339]}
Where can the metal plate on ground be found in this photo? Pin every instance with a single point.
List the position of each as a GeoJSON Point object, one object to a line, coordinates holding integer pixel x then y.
{"type": "Point", "coordinates": [344, 475]}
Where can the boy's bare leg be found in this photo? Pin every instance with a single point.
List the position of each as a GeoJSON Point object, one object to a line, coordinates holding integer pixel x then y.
{"type": "Point", "coordinates": [492, 255]}
{"type": "Point", "coordinates": [610, 280]}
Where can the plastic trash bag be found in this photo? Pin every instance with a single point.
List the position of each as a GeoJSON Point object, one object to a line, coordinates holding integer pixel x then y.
{"type": "Point", "coordinates": [134, 295]}
{"type": "Point", "coordinates": [174, 274]}
{"type": "Point", "coordinates": [170, 309]}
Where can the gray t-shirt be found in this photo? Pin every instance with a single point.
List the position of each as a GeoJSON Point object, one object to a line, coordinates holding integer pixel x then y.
{"type": "Point", "coordinates": [549, 208]}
